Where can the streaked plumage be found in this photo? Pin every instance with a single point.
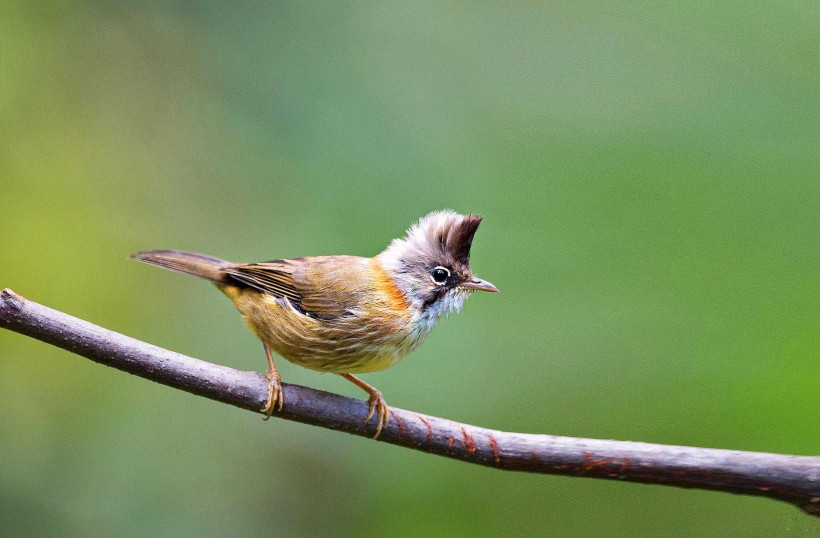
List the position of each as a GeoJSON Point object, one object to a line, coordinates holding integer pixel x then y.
{"type": "Point", "coordinates": [347, 314]}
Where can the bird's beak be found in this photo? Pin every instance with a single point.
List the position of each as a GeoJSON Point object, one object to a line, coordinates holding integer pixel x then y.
{"type": "Point", "coordinates": [476, 283]}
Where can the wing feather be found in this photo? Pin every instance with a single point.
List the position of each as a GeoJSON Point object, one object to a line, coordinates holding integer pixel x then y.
{"type": "Point", "coordinates": [267, 277]}
{"type": "Point", "coordinates": [324, 287]}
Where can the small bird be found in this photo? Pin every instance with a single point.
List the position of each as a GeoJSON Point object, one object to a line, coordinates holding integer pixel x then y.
{"type": "Point", "coordinates": [346, 314]}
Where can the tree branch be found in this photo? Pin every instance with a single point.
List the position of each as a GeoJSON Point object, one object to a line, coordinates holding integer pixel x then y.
{"type": "Point", "coordinates": [794, 479]}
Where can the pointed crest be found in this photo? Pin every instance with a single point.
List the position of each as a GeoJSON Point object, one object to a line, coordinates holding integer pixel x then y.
{"type": "Point", "coordinates": [441, 235]}
{"type": "Point", "coordinates": [460, 237]}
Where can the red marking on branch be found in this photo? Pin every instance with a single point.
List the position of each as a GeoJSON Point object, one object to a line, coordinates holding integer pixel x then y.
{"type": "Point", "coordinates": [450, 442]}
{"type": "Point", "coordinates": [429, 430]}
{"type": "Point", "coordinates": [590, 463]}
{"type": "Point", "coordinates": [622, 469]}
{"type": "Point", "coordinates": [494, 447]}
{"type": "Point", "coordinates": [469, 442]}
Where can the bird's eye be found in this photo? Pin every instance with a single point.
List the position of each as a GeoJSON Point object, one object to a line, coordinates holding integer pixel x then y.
{"type": "Point", "coordinates": [440, 275]}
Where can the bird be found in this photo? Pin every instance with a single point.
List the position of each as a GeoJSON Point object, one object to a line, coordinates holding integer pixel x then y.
{"type": "Point", "coordinates": [346, 314]}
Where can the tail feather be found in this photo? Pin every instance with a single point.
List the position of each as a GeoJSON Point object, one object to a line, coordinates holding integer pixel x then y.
{"type": "Point", "coordinates": [189, 263]}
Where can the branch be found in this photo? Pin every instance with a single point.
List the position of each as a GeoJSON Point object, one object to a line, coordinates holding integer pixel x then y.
{"type": "Point", "coordinates": [794, 479]}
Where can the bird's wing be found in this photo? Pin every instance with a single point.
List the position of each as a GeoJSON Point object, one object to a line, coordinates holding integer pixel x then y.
{"type": "Point", "coordinates": [324, 287]}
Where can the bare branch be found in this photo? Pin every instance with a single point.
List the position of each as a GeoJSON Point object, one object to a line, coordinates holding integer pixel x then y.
{"type": "Point", "coordinates": [794, 479]}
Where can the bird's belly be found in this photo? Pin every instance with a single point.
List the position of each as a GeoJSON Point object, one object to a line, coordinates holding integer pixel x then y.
{"type": "Point", "coordinates": [340, 352]}
{"type": "Point", "coordinates": [346, 363]}
{"type": "Point", "coordinates": [355, 344]}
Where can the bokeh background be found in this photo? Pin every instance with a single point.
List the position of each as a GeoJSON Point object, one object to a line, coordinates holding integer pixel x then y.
{"type": "Point", "coordinates": [650, 180]}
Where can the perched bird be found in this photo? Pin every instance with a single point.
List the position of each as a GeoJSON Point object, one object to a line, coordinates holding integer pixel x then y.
{"type": "Point", "coordinates": [347, 314]}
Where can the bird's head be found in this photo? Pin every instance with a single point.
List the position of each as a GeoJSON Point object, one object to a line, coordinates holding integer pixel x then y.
{"type": "Point", "coordinates": [431, 264]}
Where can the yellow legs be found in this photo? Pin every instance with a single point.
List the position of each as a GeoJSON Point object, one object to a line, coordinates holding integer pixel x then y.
{"type": "Point", "coordinates": [376, 402]}
{"type": "Point", "coordinates": [275, 397]}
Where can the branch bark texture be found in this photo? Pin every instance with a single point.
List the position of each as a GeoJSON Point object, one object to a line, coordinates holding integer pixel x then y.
{"type": "Point", "coordinates": [794, 479]}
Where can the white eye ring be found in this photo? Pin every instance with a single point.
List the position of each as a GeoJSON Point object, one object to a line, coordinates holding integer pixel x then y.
{"type": "Point", "coordinates": [433, 277]}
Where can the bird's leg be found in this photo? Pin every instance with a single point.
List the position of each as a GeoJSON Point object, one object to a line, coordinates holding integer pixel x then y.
{"type": "Point", "coordinates": [275, 396]}
{"type": "Point", "coordinates": [376, 402]}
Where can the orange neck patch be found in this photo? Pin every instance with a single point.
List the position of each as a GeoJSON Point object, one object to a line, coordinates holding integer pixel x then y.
{"type": "Point", "coordinates": [393, 296]}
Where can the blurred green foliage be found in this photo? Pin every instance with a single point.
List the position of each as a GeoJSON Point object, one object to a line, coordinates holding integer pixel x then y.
{"type": "Point", "coordinates": [650, 178]}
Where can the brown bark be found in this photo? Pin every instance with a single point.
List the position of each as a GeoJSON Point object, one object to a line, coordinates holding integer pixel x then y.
{"type": "Point", "coordinates": [794, 479]}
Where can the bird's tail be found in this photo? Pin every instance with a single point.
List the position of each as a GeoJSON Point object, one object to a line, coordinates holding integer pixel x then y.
{"type": "Point", "coordinates": [189, 263]}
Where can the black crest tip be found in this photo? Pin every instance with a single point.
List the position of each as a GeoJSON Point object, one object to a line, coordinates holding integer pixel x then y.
{"type": "Point", "coordinates": [460, 236]}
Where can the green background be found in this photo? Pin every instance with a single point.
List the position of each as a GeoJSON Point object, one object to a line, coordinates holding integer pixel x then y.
{"type": "Point", "coordinates": [650, 180]}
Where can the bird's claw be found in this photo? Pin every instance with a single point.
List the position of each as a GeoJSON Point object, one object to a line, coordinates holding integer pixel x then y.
{"type": "Point", "coordinates": [377, 402]}
{"type": "Point", "coordinates": [275, 397]}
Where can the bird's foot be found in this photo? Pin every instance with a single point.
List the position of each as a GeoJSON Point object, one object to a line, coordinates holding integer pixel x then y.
{"type": "Point", "coordinates": [379, 408]}
{"type": "Point", "coordinates": [275, 397]}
